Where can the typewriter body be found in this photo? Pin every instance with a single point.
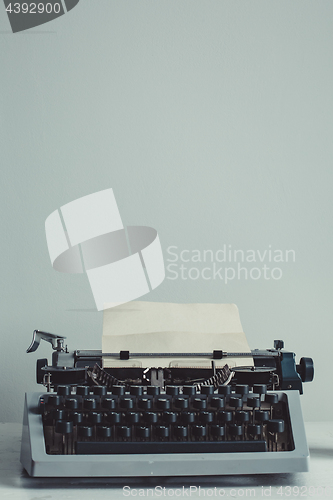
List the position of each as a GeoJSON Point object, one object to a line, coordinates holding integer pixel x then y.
{"type": "Point", "coordinates": [162, 421]}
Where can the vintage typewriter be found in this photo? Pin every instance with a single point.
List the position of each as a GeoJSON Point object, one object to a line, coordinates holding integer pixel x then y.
{"type": "Point", "coordinates": [160, 421]}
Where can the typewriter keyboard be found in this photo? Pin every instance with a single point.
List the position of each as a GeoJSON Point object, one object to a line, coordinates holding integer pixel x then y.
{"type": "Point", "coordinates": [181, 419]}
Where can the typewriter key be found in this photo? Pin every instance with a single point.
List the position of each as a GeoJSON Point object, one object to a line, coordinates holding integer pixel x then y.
{"type": "Point", "coordinates": [261, 415]}
{"type": "Point", "coordinates": [76, 418]}
{"type": "Point", "coordinates": [95, 418]}
{"type": "Point", "coordinates": [170, 417]}
{"type": "Point", "coordinates": [132, 417]}
{"type": "Point", "coordinates": [85, 431]}
{"type": "Point", "coordinates": [199, 431]}
{"type": "Point", "coordinates": [126, 403]}
{"type": "Point", "coordinates": [104, 432]}
{"type": "Point", "coordinates": [100, 390]}
{"type": "Point", "coordinates": [206, 417]}
{"type": "Point", "coordinates": [259, 388]}
{"type": "Point", "coordinates": [217, 402]}
{"type": "Point", "coordinates": [217, 431]}
{"type": "Point", "coordinates": [224, 389]}
{"type": "Point", "coordinates": [189, 390]}
{"type": "Point", "coordinates": [109, 403]}
{"type": "Point", "coordinates": [118, 390]}
{"type": "Point", "coordinates": [224, 416]}
{"type": "Point", "coordinates": [180, 431]}
{"type": "Point", "coordinates": [71, 404]}
{"type": "Point", "coordinates": [82, 390]}
{"type": "Point", "coordinates": [163, 403]}
{"type": "Point", "coordinates": [235, 402]}
{"type": "Point", "coordinates": [235, 430]}
{"type": "Point", "coordinates": [89, 404]}
{"type": "Point", "coordinates": [64, 427]}
{"type": "Point", "coordinates": [272, 398]}
{"type": "Point", "coordinates": [242, 389]}
{"type": "Point", "coordinates": [242, 417]}
{"type": "Point", "coordinates": [113, 417]}
{"type": "Point", "coordinates": [181, 402]}
{"type": "Point", "coordinates": [145, 403]}
{"type": "Point", "coordinates": [124, 432]}
{"type": "Point", "coordinates": [199, 403]}
{"type": "Point", "coordinates": [136, 390]}
{"type": "Point", "coordinates": [207, 389]}
{"type": "Point", "coordinates": [254, 430]}
{"type": "Point", "coordinates": [153, 390]}
{"type": "Point", "coordinates": [274, 427]}
{"type": "Point", "coordinates": [150, 417]}
{"type": "Point", "coordinates": [172, 390]}
{"type": "Point", "coordinates": [253, 401]}
{"type": "Point", "coordinates": [58, 414]}
{"type": "Point", "coordinates": [142, 432]}
{"type": "Point", "coordinates": [54, 401]}
{"type": "Point", "coordinates": [162, 431]}
{"type": "Point", "coordinates": [63, 390]}
{"type": "Point", "coordinates": [188, 417]}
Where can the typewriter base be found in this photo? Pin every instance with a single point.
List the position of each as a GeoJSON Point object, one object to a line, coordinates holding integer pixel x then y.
{"type": "Point", "coordinates": [39, 464]}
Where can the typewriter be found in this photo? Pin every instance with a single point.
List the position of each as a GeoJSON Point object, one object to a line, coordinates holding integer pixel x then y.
{"type": "Point", "coordinates": [162, 421]}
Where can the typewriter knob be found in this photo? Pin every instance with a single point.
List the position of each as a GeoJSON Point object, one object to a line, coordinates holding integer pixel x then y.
{"type": "Point", "coordinates": [306, 369]}
{"type": "Point", "coordinates": [278, 344]}
{"type": "Point", "coordinates": [64, 427]}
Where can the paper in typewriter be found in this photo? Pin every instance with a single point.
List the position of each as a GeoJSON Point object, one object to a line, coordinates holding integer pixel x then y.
{"type": "Point", "coordinates": [155, 327]}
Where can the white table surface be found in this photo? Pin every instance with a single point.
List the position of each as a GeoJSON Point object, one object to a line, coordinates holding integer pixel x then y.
{"type": "Point", "coordinates": [317, 483]}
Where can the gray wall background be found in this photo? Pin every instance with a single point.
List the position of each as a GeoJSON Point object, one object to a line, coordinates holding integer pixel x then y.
{"type": "Point", "coordinates": [212, 122]}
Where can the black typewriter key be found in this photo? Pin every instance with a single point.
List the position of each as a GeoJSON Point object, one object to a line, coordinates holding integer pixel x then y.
{"type": "Point", "coordinates": [235, 430]}
{"type": "Point", "coordinates": [274, 427]}
{"type": "Point", "coordinates": [136, 390]}
{"type": "Point", "coordinates": [142, 432]}
{"type": "Point", "coordinates": [163, 403]}
{"type": "Point", "coordinates": [76, 418]}
{"type": "Point", "coordinates": [272, 398]}
{"type": "Point", "coordinates": [242, 389]}
{"type": "Point", "coordinates": [225, 416]}
{"type": "Point", "coordinates": [172, 390]}
{"type": "Point", "coordinates": [259, 389]}
{"type": "Point", "coordinates": [170, 417]}
{"type": "Point", "coordinates": [126, 403]}
{"type": "Point", "coordinates": [242, 417]}
{"type": "Point", "coordinates": [89, 404]}
{"type": "Point", "coordinates": [207, 389]}
{"type": "Point", "coordinates": [132, 417]}
{"type": "Point", "coordinates": [95, 418]}
{"type": "Point", "coordinates": [58, 414]}
{"type": "Point", "coordinates": [153, 390]}
{"type": "Point", "coordinates": [206, 417]}
{"type": "Point", "coordinates": [199, 403]}
{"type": "Point", "coordinates": [118, 390]}
{"type": "Point", "coordinates": [162, 431]}
{"type": "Point", "coordinates": [150, 417]}
{"type": "Point", "coordinates": [254, 430]}
{"type": "Point", "coordinates": [63, 390]}
{"type": "Point", "coordinates": [71, 404]}
{"type": "Point", "coordinates": [188, 417]}
{"type": "Point", "coordinates": [85, 431]}
{"type": "Point", "coordinates": [145, 403]}
{"type": "Point", "coordinates": [217, 402]}
{"type": "Point", "coordinates": [113, 417]}
{"type": "Point", "coordinates": [104, 432]}
{"type": "Point", "coordinates": [181, 402]}
{"type": "Point", "coordinates": [82, 390]}
{"type": "Point", "coordinates": [261, 416]}
{"type": "Point", "coordinates": [224, 389]}
{"type": "Point", "coordinates": [253, 401]}
{"type": "Point", "coordinates": [64, 427]}
{"type": "Point", "coordinates": [109, 403]}
{"type": "Point", "coordinates": [124, 432]}
{"type": "Point", "coordinates": [217, 431]}
{"type": "Point", "coordinates": [54, 401]}
{"type": "Point", "coordinates": [100, 390]}
{"type": "Point", "coordinates": [235, 402]}
{"type": "Point", "coordinates": [180, 431]}
{"type": "Point", "coordinates": [199, 431]}
{"type": "Point", "coordinates": [189, 390]}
